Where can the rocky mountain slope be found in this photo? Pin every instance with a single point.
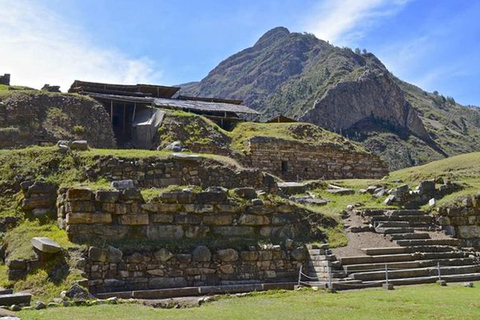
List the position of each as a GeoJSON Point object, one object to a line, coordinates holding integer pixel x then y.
{"type": "Point", "coordinates": [348, 92]}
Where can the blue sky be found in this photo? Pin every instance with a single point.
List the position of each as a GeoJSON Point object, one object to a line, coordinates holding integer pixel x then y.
{"type": "Point", "coordinates": [432, 43]}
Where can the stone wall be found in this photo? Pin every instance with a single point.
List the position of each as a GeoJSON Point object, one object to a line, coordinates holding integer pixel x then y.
{"type": "Point", "coordinates": [179, 169]}
{"type": "Point", "coordinates": [462, 220]}
{"type": "Point", "coordinates": [292, 160]}
{"type": "Point", "coordinates": [174, 215]}
{"type": "Point", "coordinates": [109, 270]}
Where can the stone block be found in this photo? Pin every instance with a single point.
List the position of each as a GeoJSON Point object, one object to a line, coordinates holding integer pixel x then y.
{"type": "Point", "coordinates": [196, 232]}
{"type": "Point", "coordinates": [234, 231]}
{"type": "Point", "coordinates": [168, 207]}
{"type": "Point", "coordinates": [158, 232]}
{"type": "Point", "coordinates": [227, 255]}
{"type": "Point", "coordinates": [97, 254]}
{"type": "Point", "coordinates": [162, 218]}
{"type": "Point", "coordinates": [80, 145]}
{"type": "Point", "coordinates": [122, 208]}
{"type": "Point", "coordinates": [227, 269]}
{"type": "Point", "coordinates": [79, 194]}
{"type": "Point", "coordinates": [134, 219]}
{"type": "Point", "coordinates": [201, 254]}
{"type": "Point", "coordinates": [108, 207]}
{"type": "Point", "coordinates": [218, 220]}
{"type": "Point", "coordinates": [253, 220]}
{"type": "Point", "coordinates": [163, 255]}
{"type": "Point", "coordinates": [131, 194]}
{"type": "Point", "coordinates": [80, 206]}
{"type": "Point", "coordinates": [199, 208]}
{"type": "Point", "coordinates": [249, 255]}
{"type": "Point", "coordinates": [108, 196]}
{"type": "Point", "coordinates": [187, 219]}
{"type": "Point", "coordinates": [228, 208]}
{"type": "Point", "coordinates": [88, 218]}
{"type": "Point", "coordinates": [183, 258]}
{"type": "Point", "coordinates": [123, 184]}
{"type": "Point", "coordinates": [150, 207]}
{"type": "Point", "coordinates": [45, 245]}
{"type": "Point", "coordinates": [114, 255]}
{"type": "Point", "coordinates": [159, 283]}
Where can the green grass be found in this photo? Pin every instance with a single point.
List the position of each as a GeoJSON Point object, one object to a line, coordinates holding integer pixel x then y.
{"type": "Point", "coordinates": [414, 302]}
{"type": "Point", "coordinates": [19, 238]}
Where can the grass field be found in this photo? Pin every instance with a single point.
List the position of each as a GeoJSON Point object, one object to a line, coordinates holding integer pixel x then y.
{"type": "Point", "coordinates": [413, 302]}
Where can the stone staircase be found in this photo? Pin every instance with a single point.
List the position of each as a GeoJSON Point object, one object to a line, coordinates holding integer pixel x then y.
{"type": "Point", "coordinates": [417, 258]}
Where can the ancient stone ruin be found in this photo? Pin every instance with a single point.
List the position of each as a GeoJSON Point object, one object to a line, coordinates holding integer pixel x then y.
{"type": "Point", "coordinates": [5, 79]}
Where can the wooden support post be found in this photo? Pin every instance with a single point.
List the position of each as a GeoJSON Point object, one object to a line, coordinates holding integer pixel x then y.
{"type": "Point", "coordinates": [111, 111]}
{"type": "Point", "coordinates": [134, 110]}
{"type": "Point", "coordinates": [124, 117]}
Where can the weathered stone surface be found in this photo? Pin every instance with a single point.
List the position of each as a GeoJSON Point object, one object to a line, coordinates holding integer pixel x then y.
{"type": "Point", "coordinates": [253, 220]}
{"type": "Point", "coordinates": [123, 184]}
{"type": "Point", "coordinates": [88, 218]}
{"type": "Point", "coordinates": [81, 145]}
{"type": "Point", "coordinates": [134, 219]}
{"type": "Point", "coordinates": [298, 254]}
{"type": "Point", "coordinates": [163, 255]}
{"type": "Point", "coordinates": [46, 245]}
{"type": "Point", "coordinates": [249, 255]}
{"type": "Point", "coordinates": [79, 194]}
{"type": "Point", "coordinates": [228, 255]}
{"type": "Point", "coordinates": [164, 232]}
{"type": "Point", "coordinates": [234, 231]}
{"type": "Point", "coordinates": [108, 196]}
{"type": "Point", "coordinates": [218, 219]}
{"type": "Point", "coordinates": [97, 254]}
{"type": "Point", "coordinates": [114, 255]}
{"type": "Point", "coordinates": [196, 232]}
{"type": "Point", "coordinates": [201, 254]}
{"type": "Point", "coordinates": [162, 218]}
{"type": "Point", "coordinates": [246, 193]}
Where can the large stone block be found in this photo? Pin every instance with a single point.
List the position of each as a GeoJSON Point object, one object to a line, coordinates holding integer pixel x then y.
{"type": "Point", "coordinates": [162, 218]}
{"type": "Point", "coordinates": [163, 232]}
{"type": "Point", "coordinates": [199, 208]}
{"type": "Point", "coordinates": [80, 206]}
{"type": "Point", "coordinates": [163, 255]}
{"type": "Point", "coordinates": [79, 194]}
{"type": "Point", "coordinates": [234, 231]}
{"type": "Point", "coordinates": [196, 232]}
{"type": "Point", "coordinates": [134, 219]}
{"type": "Point", "coordinates": [46, 245]}
{"type": "Point", "coordinates": [97, 254]}
{"type": "Point", "coordinates": [109, 196]}
{"type": "Point", "coordinates": [227, 255]}
{"type": "Point", "coordinates": [218, 219]}
{"type": "Point", "coordinates": [168, 207]}
{"type": "Point", "coordinates": [88, 218]}
{"type": "Point", "coordinates": [253, 220]}
{"type": "Point", "coordinates": [249, 255]}
{"type": "Point", "coordinates": [187, 219]}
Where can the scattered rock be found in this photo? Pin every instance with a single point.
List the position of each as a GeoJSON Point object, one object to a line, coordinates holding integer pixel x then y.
{"type": "Point", "coordinates": [114, 255]}
{"type": "Point", "coordinates": [432, 202]}
{"type": "Point", "coordinates": [77, 292]}
{"type": "Point", "coordinates": [81, 145]}
{"type": "Point", "coordinates": [176, 146]}
{"type": "Point", "coordinates": [228, 255]}
{"type": "Point", "coordinates": [298, 254]}
{"type": "Point", "coordinates": [257, 202]}
{"type": "Point", "coordinates": [163, 255]}
{"type": "Point", "coordinates": [246, 193]}
{"type": "Point", "coordinates": [15, 307]}
{"type": "Point", "coordinates": [289, 243]}
{"type": "Point", "coordinates": [39, 305]}
{"type": "Point", "coordinates": [468, 284]}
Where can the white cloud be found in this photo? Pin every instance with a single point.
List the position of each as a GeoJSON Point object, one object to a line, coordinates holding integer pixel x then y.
{"type": "Point", "coordinates": [37, 46]}
{"type": "Point", "coordinates": [344, 21]}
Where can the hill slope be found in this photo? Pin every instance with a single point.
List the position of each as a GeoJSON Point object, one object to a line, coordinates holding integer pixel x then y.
{"type": "Point", "coordinates": [348, 92]}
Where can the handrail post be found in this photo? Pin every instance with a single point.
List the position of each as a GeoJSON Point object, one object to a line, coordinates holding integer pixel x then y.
{"type": "Point", "coordinates": [386, 274]}
{"type": "Point", "coordinates": [439, 272]}
{"type": "Point", "coordinates": [330, 286]}
{"type": "Point", "coordinates": [300, 274]}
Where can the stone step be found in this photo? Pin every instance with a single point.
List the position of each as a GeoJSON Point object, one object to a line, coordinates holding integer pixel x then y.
{"type": "Point", "coordinates": [403, 218]}
{"type": "Point", "coordinates": [330, 257]}
{"type": "Point", "coordinates": [402, 257]}
{"type": "Point", "coordinates": [316, 252]}
{"type": "Point", "coordinates": [325, 276]}
{"type": "Point", "coordinates": [324, 263]}
{"type": "Point", "coordinates": [19, 298]}
{"type": "Point", "coordinates": [427, 279]}
{"type": "Point", "coordinates": [415, 272]}
{"type": "Point", "coordinates": [197, 291]}
{"type": "Point", "coordinates": [427, 242]}
{"type": "Point", "coordinates": [405, 236]}
{"type": "Point", "coordinates": [406, 249]}
{"type": "Point", "coordinates": [379, 212]}
{"type": "Point", "coordinates": [408, 264]}
{"type": "Point", "coordinates": [393, 230]}
{"type": "Point", "coordinates": [389, 224]}
{"type": "Point", "coordinates": [5, 291]}
{"type": "Point", "coordinates": [324, 270]}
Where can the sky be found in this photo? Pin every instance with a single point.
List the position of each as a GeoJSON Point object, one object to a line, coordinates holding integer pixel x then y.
{"type": "Point", "coordinates": [431, 43]}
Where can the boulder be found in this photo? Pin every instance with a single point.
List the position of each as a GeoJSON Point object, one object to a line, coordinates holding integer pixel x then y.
{"type": "Point", "coordinates": [114, 255]}
{"type": "Point", "coordinates": [298, 254]}
{"type": "Point", "coordinates": [163, 255]}
{"type": "Point", "coordinates": [77, 292]}
{"type": "Point", "coordinates": [201, 254]}
{"type": "Point", "coordinates": [176, 146]}
{"type": "Point", "coordinates": [227, 255]}
{"type": "Point", "coordinates": [123, 184]}
{"type": "Point", "coordinates": [98, 254]}
{"type": "Point", "coordinates": [45, 245]}
{"type": "Point", "coordinates": [246, 193]}
{"type": "Point", "coordinates": [40, 305]}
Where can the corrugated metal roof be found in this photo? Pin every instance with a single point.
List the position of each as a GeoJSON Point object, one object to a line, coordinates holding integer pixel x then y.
{"type": "Point", "coordinates": [204, 106]}
{"type": "Point", "coordinates": [186, 105]}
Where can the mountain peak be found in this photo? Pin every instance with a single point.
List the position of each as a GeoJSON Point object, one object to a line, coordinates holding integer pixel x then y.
{"type": "Point", "coordinates": [272, 36]}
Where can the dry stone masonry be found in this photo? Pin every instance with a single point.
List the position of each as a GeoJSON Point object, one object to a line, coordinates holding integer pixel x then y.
{"type": "Point", "coordinates": [185, 214]}
{"type": "Point", "coordinates": [293, 160]}
{"type": "Point", "coordinates": [178, 169]}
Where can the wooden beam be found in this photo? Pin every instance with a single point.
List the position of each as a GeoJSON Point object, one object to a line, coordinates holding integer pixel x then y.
{"type": "Point", "coordinates": [111, 111]}
{"type": "Point", "coordinates": [124, 117]}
